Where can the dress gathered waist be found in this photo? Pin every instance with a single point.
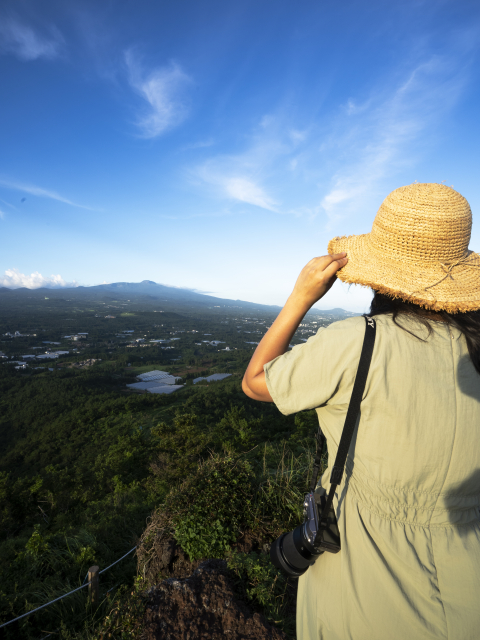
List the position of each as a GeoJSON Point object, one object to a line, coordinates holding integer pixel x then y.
{"type": "Point", "coordinates": [418, 508]}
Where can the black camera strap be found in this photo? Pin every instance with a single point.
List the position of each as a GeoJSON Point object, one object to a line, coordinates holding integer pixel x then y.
{"type": "Point", "coordinates": [350, 420]}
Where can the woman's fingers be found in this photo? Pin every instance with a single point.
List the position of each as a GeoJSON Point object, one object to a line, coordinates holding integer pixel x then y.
{"type": "Point", "coordinates": [322, 262]}
{"type": "Point", "coordinates": [325, 267]}
{"type": "Point", "coordinates": [318, 275]}
{"type": "Point", "coordinates": [338, 260]}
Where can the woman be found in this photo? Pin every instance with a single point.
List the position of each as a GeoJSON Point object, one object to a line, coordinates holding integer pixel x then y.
{"type": "Point", "coordinates": [408, 505]}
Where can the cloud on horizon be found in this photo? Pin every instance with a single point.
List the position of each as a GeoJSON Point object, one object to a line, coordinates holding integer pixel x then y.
{"type": "Point", "coordinates": [163, 90]}
{"type": "Point", "coordinates": [13, 279]}
{"type": "Point", "coordinates": [25, 43]}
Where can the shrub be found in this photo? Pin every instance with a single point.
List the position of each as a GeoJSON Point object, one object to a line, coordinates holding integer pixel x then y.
{"type": "Point", "coordinates": [212, 507]}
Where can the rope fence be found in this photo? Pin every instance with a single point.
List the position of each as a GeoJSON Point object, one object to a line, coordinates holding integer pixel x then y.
{"type": "Point", "coordinates": [85, 584]}
{"type": "Point", "coordinates": [113, 563]}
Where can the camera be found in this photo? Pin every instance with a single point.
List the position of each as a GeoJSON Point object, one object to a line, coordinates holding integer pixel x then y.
{"type": "Point", "coordinates": [295, 551]}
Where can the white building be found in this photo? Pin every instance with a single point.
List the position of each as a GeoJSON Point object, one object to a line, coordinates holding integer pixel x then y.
{"type": "Point", "coordinates": [215, 377]}
{"type": "Point", "coordinates": [167, 388]}
{"type": "Point", "coordinates": [153, 375]}
{"type": "Point", "coordinates": [156, 382]}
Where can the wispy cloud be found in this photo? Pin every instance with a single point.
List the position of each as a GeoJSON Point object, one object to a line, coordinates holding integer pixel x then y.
{"type": "Point", "coordinates": [297, 136]}
{"type": "Point", "coordinates": [41, 192]}
{"type": "Point", "coordinates": [234, 183]}
{"type": "Point", "coordinates": [245, 177]}
{"type": "Point", "coordinates": [389, 131]}
{"type": "Point", "coordinates": [337, 165]}
{"type": "Point", "coordinates": [26, 43]}
{"type": "Point", "coordinates": [13, 279]}
{"type": "Point", "coordinates": [247, 191]}
{"type": "Point", "coordinates": [354, 107]}
{"type": "Point", "coordinates": [200, 144]}
{"type": "Point", "coordinates": [9, 204]}
{"type": "Point", "coordinates": [163, 91]}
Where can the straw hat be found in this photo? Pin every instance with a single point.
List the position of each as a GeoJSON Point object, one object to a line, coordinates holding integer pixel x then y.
{"type": "Point", "coordinates": [417, 250]}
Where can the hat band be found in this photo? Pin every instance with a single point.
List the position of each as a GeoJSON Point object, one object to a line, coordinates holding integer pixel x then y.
{"type": "Point", "coordinates": [448, 268]}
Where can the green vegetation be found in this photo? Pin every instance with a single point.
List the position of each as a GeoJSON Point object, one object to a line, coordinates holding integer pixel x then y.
{"type": "Point", "coordinates": [84, 463]}
{"type": "Point", "coordinates": [266, 588]}
{"type": "Point", "coordinates": [218, 507]}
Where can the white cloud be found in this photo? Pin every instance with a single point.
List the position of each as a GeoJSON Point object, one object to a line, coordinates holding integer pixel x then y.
{"type": "Point", "coordinates": [354, 108]}
{"type": "Point", "coordinates": [267, 120]}
{"type": "Point", "coordinates": [338, 166]}
{"type": "Point", "coordinates": [233, 182]}
{"type": "Point", "coordinates": [247, 177]}
{"type": "Point", "coordinates": [27, 44]}
{"type": "Point", "coordinates": [247, 191]}
{"type": "Point", "coordinates": [39, 191]}
{"type": "Point", "coordinates": [163, 89]}
{"type": "Point", "coordinates": [298, 136]}
{"type": "Point", "coordinates": [13, 279]}
{"type": "Point", "coordinates": [388, 132]}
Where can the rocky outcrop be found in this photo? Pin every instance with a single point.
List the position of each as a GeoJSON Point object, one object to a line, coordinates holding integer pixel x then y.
{"type": "Point", "coordinates": [202, 606]}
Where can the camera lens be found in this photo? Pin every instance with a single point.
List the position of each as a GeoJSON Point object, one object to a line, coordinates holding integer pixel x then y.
{"type": "Point", "coordinates": [292, 552]}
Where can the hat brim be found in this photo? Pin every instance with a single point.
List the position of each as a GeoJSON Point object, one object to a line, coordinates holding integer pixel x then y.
{"type": "Point", "coordinates": [432, 286]}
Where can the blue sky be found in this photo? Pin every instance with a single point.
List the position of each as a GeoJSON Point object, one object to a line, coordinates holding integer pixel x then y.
{"type": "Point", "coordinates": [219, 145]}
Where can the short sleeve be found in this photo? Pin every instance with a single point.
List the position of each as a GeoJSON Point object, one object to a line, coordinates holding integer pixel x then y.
{"type": "Point", "coordinates": [320, 371]}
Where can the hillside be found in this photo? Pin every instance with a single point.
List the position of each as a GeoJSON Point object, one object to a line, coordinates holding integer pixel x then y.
{"type": "Point", "coordinates": [86, 462]}
{"type": "Point", "coordinates": [144, 294]}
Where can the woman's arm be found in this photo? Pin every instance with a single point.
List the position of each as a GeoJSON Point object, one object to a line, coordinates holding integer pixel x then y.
{"type": "Point", "coordinates": [314, 281]}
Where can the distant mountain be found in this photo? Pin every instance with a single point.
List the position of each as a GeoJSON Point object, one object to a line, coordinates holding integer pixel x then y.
{"type": "Point", "coordinates": [333, 312]}
{"type": "Point", "coordinates": [150, 288]}
{"type": "Point", "coordinates": [148, 293]}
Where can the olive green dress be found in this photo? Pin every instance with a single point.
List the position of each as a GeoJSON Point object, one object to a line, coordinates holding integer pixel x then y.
{"type": "Point", "coordinates": [408, 507]}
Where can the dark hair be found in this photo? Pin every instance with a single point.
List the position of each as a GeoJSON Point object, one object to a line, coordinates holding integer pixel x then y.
{"type": "Point", "coordinates": [468, 323]}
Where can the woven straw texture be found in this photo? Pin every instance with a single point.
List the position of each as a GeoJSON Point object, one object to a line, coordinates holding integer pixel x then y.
{"type": "Point", "coordinates": [417, 250]}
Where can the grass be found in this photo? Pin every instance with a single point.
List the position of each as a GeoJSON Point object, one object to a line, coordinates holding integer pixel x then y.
{"type": "Point", "coordinates": [53, 556]}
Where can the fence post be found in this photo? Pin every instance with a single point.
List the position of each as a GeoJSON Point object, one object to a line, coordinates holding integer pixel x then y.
{"type": "Point", "coordinates": [93, 587]}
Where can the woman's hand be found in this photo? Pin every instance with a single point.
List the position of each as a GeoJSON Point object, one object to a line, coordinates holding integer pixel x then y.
{"type": "Point", "coordinates": [314, 281]}
{"type": "Point", "coordinates": [316, 278]}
